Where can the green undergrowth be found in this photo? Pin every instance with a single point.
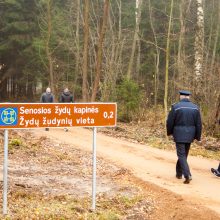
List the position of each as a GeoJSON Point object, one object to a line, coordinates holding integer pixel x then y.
{"type": "Point", "coordinates": [151, 132]}
{"type": "Point", "coordinates": [18, 144]}
{"type": "Point", "coordinates": [195, 151]}
{"type": "Point", "coordinates": [15, 144]}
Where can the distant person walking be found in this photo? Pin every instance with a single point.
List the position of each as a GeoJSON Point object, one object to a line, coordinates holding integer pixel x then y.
{"type": "Point", "coordinates": [47, 97]}
{"type": "Point", "coordinates": [216, 172]}
{"type": "Point", "coordinates": [66, 97]}
{"type": "Point", "coordinates": [184, 123]}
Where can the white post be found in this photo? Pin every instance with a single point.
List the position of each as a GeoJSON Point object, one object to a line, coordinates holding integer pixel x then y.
{"type": "Point", "coordinates": [5, 172]}
{"type": "Point", "coordinates": [94, 169]}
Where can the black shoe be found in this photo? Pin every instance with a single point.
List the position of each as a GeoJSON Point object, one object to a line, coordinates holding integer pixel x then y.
{"type": "Point", "coordinates": [215, 172]}
{"type": "Point", "coordinates": [46, 129]}
{"type": "Point", "coordinates": [187, 180]}
{"type": "Point", "coordinates": [179, 176]}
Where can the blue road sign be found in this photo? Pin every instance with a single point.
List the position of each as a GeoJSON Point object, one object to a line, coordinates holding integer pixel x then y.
{"type": "Point", "coordinates": [8, 116]}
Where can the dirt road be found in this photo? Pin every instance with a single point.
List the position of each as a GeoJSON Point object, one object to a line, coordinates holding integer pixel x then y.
{"type": "Point", "coordinates": [149, 164]}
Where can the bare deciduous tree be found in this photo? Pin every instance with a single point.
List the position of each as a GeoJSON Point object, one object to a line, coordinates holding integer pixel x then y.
{"type": "Point", "coordinates": [85, 51]}
{"type": "Point", "coordinates": [199, 43]}
{"type": "Point", "coordinates": [157, 57]}
{"type": "Point", "coordinates": [47, 46]}
{"type": "Point", "coordinates": [102, 31]}
{"type": "Point", "coordinates": [167, 60]}
{"type": "Point", "coordinates": [136, 37]}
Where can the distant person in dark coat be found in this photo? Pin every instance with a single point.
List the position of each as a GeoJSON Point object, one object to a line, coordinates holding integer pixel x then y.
{"type": "Point", "coordinates": [184, 123]}
{"type": "Point", "coordinates": [216, 172]}
{"type": "Point", "coordinates": [66, 97]}
{"type": "Point", "coordinates": [47, 97]}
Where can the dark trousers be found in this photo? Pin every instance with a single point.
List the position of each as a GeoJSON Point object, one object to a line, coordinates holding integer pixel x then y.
{"type": "Point", "coordinates": [182, 167]}
{"type": "Point", "coordinates": [219, 167]}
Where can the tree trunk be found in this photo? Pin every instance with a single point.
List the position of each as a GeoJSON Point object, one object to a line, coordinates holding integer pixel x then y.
{"type": "Point", "coordinates": [209, 73]}
{"type": "Point", "coordinates": [217, 114]}
{"type": "Point", "coordinates": [215, 41]}
{"type": "Point", "coordinates": [199, 46]}
{"type": "Point", "coordinates": [209, 41]}
{"type": "Point", "coordinates": [167, 62]}
{"type": "Point", "coordinates": [181, 54]}
{"type": "Point", "coordinates": [138, 66]}
{"type": "Point", "coordinates": [102, 31]}
{"type": "Point", "coordinates": [157, 57]}
{"type": "Point", "coordinates": [85, 50]}
{"type": "Point", "coordinates": [47, 46]}
{"type": "Point", "coordinates": [119, 19]}
{"type": "Point", "coordinates": [30, 94]}
{"type": "Point", "coordinates": [136, 37]}
{"type": "Point", "coordinates": [156, 77]}
{"type": "Point", "coordinates": [77, 70]}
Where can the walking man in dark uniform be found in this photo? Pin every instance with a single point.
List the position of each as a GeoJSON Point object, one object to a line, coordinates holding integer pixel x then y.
{"type": "Point", "coordinates": [184, 123]}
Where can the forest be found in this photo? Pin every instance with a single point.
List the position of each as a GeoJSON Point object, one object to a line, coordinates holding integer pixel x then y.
{"type": "Point", "coordinates": [137, 53]}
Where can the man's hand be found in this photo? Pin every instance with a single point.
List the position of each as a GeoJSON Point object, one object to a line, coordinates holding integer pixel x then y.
{"type": "Point", "coordinates": [170, 138]}
{"type": "Point", "coordinates": [197, 142]}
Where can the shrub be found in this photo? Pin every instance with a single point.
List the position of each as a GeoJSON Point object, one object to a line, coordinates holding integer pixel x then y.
{"type": "Point", "coordinates": [15, 144]}
{"type": "Point", "coordinates": [128, 97]}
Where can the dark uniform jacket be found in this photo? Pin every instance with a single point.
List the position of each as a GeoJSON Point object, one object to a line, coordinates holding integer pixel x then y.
{"type": "Point", "coordinates": [66, 97]}
{"type": "Point", "coordinates": [47, 97]}
{"type": "Point", "coordinates": [184, 122]}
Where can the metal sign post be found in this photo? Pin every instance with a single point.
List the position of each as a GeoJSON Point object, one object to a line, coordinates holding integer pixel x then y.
{"type": "Point", "coordinates": [94, 169]}
{"type": "Point", "coordinates": [5, 172]}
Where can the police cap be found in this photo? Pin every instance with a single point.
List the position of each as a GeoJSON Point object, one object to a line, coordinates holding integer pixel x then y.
{"type": "Point", "coordinates": [184, 92]}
